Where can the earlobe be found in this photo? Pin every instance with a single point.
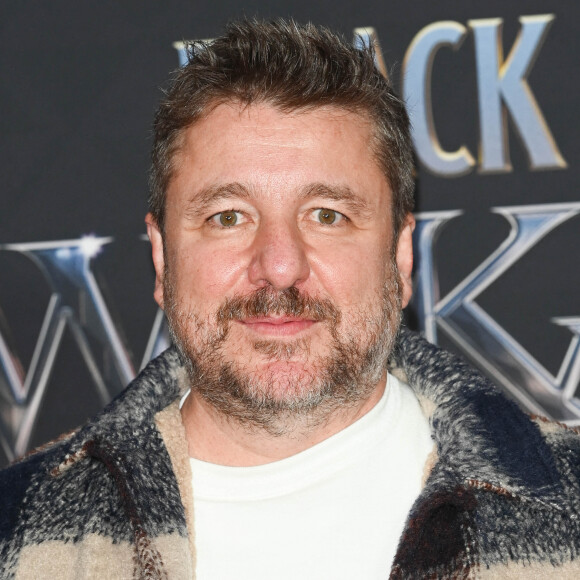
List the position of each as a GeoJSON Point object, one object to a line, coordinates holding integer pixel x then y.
{"type": "Point", "coordinates": [156, 239]}
{"type": "Point", "coordinates": [405, 258]}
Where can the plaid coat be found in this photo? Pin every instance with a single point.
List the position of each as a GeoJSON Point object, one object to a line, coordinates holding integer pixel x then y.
{"type": "Point", "coordinates": [114, 499]}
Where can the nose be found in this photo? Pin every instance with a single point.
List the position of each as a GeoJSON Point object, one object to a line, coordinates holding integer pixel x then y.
{"type": "Point", "coordinates": [279, 257]}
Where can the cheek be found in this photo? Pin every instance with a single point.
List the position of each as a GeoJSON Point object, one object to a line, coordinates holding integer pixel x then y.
{"type": "Point", "coordinates": [353, 275]}
{"type": "Point", "coordinates": [204, 277]}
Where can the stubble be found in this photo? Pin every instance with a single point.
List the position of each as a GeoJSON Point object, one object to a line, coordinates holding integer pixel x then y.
{"type": "Point", "coordinates": [277, 402]}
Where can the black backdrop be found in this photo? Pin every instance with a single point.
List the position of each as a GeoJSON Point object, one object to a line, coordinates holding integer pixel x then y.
{"type": "Point", "coordinates": [80, 82]}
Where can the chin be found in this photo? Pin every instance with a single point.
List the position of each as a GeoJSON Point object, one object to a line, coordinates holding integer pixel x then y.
{"type": "Point", "coordinates": [282, 375]}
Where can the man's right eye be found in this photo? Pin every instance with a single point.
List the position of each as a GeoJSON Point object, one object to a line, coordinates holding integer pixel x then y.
{"type": "Point", "coordinates": [226, 219]}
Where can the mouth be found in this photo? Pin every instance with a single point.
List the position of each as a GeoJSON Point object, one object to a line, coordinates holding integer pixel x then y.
{"type": "Point", "coordinates": [277, 326]}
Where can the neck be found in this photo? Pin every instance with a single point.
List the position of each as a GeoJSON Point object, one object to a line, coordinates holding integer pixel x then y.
{"type": "Point", "coordinates": [214, 438]}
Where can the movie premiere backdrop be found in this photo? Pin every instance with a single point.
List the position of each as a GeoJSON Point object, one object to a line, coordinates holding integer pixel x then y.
{"type": "Point", "coordinates": [492, 89]}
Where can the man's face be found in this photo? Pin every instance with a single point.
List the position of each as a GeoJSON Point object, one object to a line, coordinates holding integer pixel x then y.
{"type": "Point", "coordinates": [277, 269]}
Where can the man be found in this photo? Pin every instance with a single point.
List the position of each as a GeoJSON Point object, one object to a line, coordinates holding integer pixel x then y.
{"type": "Point", "coordinates": [272, 441]}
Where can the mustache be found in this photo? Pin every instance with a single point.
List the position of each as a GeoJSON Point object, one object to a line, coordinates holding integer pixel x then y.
{"type": "Point", "coordinates": [269, 302]}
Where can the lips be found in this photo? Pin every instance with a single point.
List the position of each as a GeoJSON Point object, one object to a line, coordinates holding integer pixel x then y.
{"type": "Point", "coordinates": [277, 326]}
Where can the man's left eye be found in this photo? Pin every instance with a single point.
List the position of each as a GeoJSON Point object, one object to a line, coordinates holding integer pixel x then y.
{"type": "Point", "coordinates": [328, 217]}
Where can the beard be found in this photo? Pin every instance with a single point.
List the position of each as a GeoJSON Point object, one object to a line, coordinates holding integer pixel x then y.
{"type": "Point", "coordinates": [305, 389]}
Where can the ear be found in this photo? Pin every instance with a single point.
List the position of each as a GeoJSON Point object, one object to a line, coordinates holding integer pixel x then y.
{"type": "Point", "coordinates": [156, 239]}
{"type": "Point", "coordinates": [404, 258]}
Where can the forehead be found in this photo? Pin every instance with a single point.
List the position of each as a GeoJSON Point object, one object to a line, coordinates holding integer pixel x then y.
{"type": "Point", "coordinates": [265, 147]}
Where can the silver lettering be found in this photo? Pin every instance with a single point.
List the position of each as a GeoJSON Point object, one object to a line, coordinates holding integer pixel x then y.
{"type": "Point", "coordinates": [417, 69]}
{"type": "Point", "coordinates": [479, 336]}
{"type": "Point", "coordinates": [367, 36]}
{"type": "Point", "coordinates": [500, 81]}
{"type": "Point", "coordinates": [429, 225]}
{"type": "Point", "coordinates": [77, 303]}
{"type": "Point", "coordinates": [181, 48]}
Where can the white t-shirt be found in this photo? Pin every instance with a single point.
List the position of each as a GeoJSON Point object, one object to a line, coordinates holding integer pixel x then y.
{"type": "Point", "coordinates": [335, 511]}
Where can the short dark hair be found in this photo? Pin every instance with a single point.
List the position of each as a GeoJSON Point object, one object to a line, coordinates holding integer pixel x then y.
{"type": "Point", "coordinates": [293, 67]}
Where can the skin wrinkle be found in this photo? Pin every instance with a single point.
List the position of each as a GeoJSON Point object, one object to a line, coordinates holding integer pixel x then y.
{"type": "Point", "coordinates": [356, 205]}
{"type": "Point", "coordinates": [200, 202]}
{"type": "Point", "coordinates": [338, 381]}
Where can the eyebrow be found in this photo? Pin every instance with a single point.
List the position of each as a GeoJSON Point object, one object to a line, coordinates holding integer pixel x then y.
{"type": "Point", "coordinates": [206, 198]}
{"type": "Point", "coordinates": [343, 193]}
{"type": "Point", "coordinates": [209, 196]}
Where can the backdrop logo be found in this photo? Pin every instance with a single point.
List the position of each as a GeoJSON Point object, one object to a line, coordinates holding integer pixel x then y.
{"type": "Point", "coordinates": [502, 89]}
{"type": "Point", "coordinates": [481, 337]}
